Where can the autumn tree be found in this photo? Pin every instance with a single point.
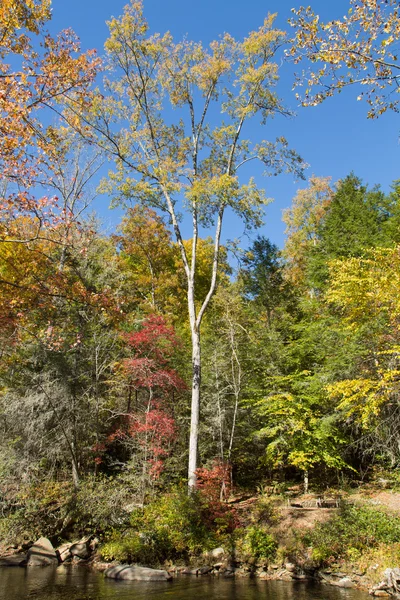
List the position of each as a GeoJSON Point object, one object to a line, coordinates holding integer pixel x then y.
{"type": "Point", "coordinates": [366, 291]}
{"type": "Point", "coordinates": [359, 49]}
{"type": "Point", "coordinates": [302, 219]}
{"type": "Point", "coordinates": [58, 344]}
{"type": "Point", "coordinates": [148, 258]}
{"type": "Point", "coordinates": [163, 159]}
{"type": "Point", "coordinates": [37, 74]}
{"type": "Point", "coordinates": [148, 381]}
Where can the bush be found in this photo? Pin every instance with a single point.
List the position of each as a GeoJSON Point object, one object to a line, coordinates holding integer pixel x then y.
{"type": "Point", "coordinates": [171, 527]}
{"type": "Point", "coordinates": [259, 543]}
{"type": "Point", "coordinates": [354, 531]}
{"type": "Point", "coordinates": [34, 510]}
{"type": "Point", "coordinates": [55, 510]}
{"type": "Point", "coordinates": [98, 505]}
{"type": "Point", "coordinates": [130, 548]}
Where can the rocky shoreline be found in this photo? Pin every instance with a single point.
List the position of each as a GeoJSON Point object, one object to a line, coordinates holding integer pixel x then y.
{"type": "Point", "coordinates": [215, 563]}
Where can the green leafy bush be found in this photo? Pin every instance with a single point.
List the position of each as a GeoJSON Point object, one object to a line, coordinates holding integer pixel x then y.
{"type": "Point", "coordinates": [355, 530]}
{"type": "Point", "coordinates": [259, 543]}
{"type": "Point", "coordinates": [131, 547]}
{"type": "Point", "coordinates": [171, 527]}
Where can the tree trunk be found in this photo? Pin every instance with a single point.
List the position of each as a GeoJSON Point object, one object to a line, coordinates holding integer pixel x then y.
{"type": "Point", "coordinates": [195, 408]}
{"type": "Point", "coordinates": [75, 467]}
{"type": "Point", "coordinates": [306, 482]}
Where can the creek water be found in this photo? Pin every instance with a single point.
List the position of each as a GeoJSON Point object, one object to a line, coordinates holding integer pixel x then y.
{"type": "Point", "coordinates": [73, 583]}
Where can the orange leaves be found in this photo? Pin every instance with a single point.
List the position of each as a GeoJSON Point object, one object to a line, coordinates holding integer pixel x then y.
{"type": "Point", "coordinates": [44, 77]}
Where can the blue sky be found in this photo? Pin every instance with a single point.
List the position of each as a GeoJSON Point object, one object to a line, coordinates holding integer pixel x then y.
{"type": "Point", "coordinates": [334, 138]}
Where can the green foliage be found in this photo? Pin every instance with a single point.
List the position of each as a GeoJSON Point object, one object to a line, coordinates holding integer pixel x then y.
{"type": "Point", "coordinates": [352, 532]}
{"type": "Point", "coordinates": [262, 277]}
{"type": "Point", "coordinates": [296, 426]}
{"type": "Point", "coordinates": [132, 547]}
{"type": "Point", "coordinates": [34, 510]}
{"type": "Point", "coordinates": [265, 511]}
{"type": "Point", "coordinates": [170, 527]}
{"type": "Point", "coordinates": [98, 505]}
{"type": "Point", "coordinates": [259, 543]}
{"type": "Point", "coordinates": [176, 519]}
{"type": "Point", "coordinates": [56, 510]}
{"type": "Point", "coordinates": [356, 219]}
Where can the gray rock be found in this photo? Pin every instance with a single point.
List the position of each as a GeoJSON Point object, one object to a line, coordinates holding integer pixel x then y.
{"type": "Point", "coordinates": [216, 553]}
{"type": "Point", "coordinates": [42, 554]}
{"type": "Point", "coordinates": [204, 570]}
{"type": "Point", "coordinates": [15, 560]}
{"type": "Point", "coordinates": [190, 571]}
{"type": "Point", "coordinates": [93, 544]}
{"type": "Point", "coordinates": [346, 582]}
{"type": "Point", "coordinates": [63, 552]}
{"type": "Point", "coordinates": [136, 573]}
{"type": "Point", "coordinates": [392, 577]}
{"type": "Point", "coordinates": [290, 567]}
{"type": "Point", "coordinates": [228, 574]}
{"type": "Point", "coordinates": [80, 549]}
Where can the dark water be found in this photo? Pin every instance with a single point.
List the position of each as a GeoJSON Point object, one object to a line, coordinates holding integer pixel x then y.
{"type": "Point", "coordinates": [66, 583]}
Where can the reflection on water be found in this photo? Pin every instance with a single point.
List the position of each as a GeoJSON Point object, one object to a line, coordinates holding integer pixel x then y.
{"type": "Point", "coordinates": [68, 583]}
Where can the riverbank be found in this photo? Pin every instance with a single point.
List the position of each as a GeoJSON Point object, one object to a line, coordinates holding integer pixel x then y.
{"type": "Point", "coordinates": [347, 540]}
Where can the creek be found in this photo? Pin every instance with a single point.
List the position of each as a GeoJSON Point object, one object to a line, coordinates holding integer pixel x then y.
{"type": "Point", "coordinates": [75, 583]}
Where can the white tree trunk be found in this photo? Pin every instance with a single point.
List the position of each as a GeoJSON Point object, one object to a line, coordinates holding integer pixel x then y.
{"type": "Point", "coordinates": [306, 482]}
{"type": "Point", "coordinates": [195, 409]}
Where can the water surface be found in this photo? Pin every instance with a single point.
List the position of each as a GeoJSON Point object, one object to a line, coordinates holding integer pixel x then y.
{"type": "Point", "coordinates": [72, 583]}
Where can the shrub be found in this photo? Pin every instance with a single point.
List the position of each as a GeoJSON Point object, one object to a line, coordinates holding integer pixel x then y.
{"type": "Point", "coordinates": [214, 484]}
{"type": "Point", "coordinates": [355, 530]}
{"type": "Point", "coordinates": [131, 547]}
{"type": "Point", "coordinates": [175, 520]}
{"type": "Point", "coordinates": [98, 505]}
{"type": "Point", "coordinates": [259, 543]}
{"type": "Point", "coordinates": [171, 527]}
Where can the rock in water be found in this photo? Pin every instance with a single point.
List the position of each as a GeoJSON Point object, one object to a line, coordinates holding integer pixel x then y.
{"type": "Point", "coordinates": [42, 554]}
{"type": "Point", "coordinates": [345, 582]}
{"type": "Point", "coordinates": [80, 548]}
{"type": "Point", "coordinates": [15, 560]}
{"type": "Point", "coordinates": [136, 573]}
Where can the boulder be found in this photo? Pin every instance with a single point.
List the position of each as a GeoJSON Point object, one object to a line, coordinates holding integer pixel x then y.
{"type": "Point", "coordinates": [205, 570]}
{"type": "Point", "coordinates": [190, 571]}
{"type": "Point", "coordinates": [346, 582]}
{"type": "Point", "coordinates": [391, 581]}
{"type": "Point", "coordinates": [80, 549]}
{"type": "Point", "coordinates": [15, 560]}
{"type": "Point", "coordinates": [42, 554]}
{"type": "Point", "coordinates": [63, 552]}
{"type": "Point", "coordinates": [217, 553]}
{"type": "Point", "coordinates": [136, 573]}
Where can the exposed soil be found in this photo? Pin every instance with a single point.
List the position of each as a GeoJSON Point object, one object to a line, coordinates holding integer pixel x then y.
{"type": "Point", "coordinates": [384, 498]}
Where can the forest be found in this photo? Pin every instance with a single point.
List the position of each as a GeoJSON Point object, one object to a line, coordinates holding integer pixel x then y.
{"type": "Point", "coordinates": [146, 365]}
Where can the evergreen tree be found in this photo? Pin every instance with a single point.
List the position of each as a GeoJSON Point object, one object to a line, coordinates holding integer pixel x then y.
{"type": "Point", "coordinates": [356, 219]}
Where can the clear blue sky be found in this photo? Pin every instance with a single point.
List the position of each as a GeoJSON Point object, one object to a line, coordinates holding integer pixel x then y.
{"type": "Point", "coordinates": [334, 138]}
